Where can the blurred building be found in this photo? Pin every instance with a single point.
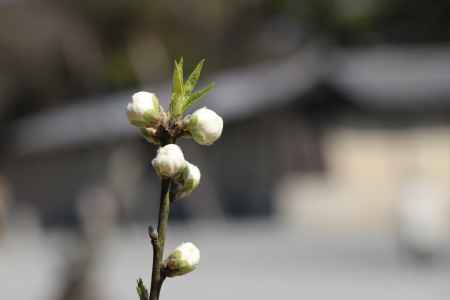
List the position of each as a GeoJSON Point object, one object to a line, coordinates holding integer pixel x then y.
{"type": "Point", "coordinates": [328, 143]}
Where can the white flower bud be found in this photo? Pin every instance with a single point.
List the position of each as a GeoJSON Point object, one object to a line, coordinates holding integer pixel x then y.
{"type": "Point", "coordinates": [144, 109]}
{"type": "Point", "coordinates": [182, 260]}
{"type": "Point", "coordinates": [189, 180]}
{"type": "Point", "coordinates": [205, 126]}
{"type": "Point", "coordinates": [169, 161]}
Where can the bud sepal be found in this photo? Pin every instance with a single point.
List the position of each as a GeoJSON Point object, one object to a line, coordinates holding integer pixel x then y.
{"type": "Point", "coordinates": [150, 135]}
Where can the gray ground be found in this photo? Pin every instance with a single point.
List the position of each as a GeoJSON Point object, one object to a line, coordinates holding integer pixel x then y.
{"type": "Point", "coordinates": [239, 261]}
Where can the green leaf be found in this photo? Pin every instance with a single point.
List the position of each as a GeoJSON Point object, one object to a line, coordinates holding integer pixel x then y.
{"type": "Point", "coordinates": [196, 96]}
{"type": "Point", "coordinates": [141, 290]}
{"type": "Point", "coordinates": [193, 78]}
{"type": "Point", "coordinates": [177, 79]}
{"type": "Point", "coordinates": [177, 97]}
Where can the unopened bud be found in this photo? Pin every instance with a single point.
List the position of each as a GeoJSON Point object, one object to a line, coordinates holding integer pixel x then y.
{"type": "Point", "coordinates": [169, 161]}
{"type": "Point", "coordinates": [205, 126]}
{"type": "Point", "coordinates": [182, 260]}
{"type": "Point", "coordinates": [189, 180]}
{"type": "Point", "coordinates": [144, 109]}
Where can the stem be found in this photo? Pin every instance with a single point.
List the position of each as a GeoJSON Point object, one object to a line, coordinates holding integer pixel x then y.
{"type": "Point", "coordinates": [159, 240]}
{"type": "Point", "coordinates": [158, 244]}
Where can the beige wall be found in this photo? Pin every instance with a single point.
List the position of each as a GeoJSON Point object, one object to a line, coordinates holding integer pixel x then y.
{"type": "Point", "coordinates": [367, 170]}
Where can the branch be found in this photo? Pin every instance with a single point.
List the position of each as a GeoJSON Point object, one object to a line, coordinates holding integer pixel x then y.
{"type": "Point", "coordinates": [159, 238]}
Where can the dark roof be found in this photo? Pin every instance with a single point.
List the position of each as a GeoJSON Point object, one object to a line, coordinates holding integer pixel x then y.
{"type": "Point", "coordinates": [382, 78]}
{"type": "Point", "coordinates": [395, 78]}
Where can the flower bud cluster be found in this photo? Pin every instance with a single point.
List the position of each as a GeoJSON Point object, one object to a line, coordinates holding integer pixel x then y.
{"type": "Point", "coordinates": [144, 111]}
{"type": "Point", "coordinates": [156, 126]}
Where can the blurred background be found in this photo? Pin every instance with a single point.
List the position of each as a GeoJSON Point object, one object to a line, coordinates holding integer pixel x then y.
{"type": "Point", "coordinates": [331, 180]}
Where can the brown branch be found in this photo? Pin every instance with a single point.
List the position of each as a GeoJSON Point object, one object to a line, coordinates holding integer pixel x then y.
{"type": "Point", "coordinates": [159, 241]}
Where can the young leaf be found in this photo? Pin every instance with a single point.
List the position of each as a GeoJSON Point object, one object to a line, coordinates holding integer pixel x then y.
{"type": "Point", "coordinates": [193, 78]}
{"type": "Point", "coordinates": [196, 96]}
{"type": "Point", "coordinates": [177, 79]}
{"type": "Point", "coordinates": [141, 290]}
{"type": "Point", "coordinates": [177, 96]}
{"type": "Point", "coordinates": [180, 65]}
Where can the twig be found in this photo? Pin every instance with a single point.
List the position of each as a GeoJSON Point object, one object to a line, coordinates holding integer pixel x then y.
{"type": "Point", "coordinates": [158, 243]}
{"type": "Point", "coordinates": [159, 238]}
